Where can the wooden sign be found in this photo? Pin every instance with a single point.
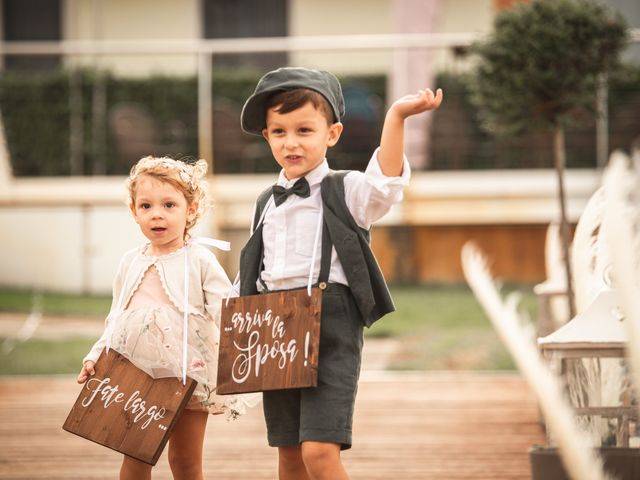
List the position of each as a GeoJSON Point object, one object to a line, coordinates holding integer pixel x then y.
{"type": "Point", "coordinates": [269, 342]}
{"type": "Point", "coordinates": [123, 408]}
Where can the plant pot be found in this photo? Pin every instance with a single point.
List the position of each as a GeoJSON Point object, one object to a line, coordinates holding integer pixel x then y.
{"type": "Point", "coordinates": [624, 463]}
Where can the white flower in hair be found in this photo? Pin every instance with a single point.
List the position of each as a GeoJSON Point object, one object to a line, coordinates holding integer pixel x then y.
{"type": "Point", "coordinates": [183, 170]}
{"type": "Point", "coordinates": [185, 177]}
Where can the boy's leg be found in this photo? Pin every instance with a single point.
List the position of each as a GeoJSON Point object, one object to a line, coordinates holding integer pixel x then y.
{"type": "Point", "coordinates": [290, 464]}
{"type": "Point", "coordinates": [282, 416]}
{"type": "Point", "coordinates": [185, 445]}
{"type": "Point", "coordinates": [132, 469]}
{"type": "Point", "coordinates": [322, 461]}
{"type": "Point", "coordinates": [314, 424]}
{"type": "Point", "coordinates": [326, 411]}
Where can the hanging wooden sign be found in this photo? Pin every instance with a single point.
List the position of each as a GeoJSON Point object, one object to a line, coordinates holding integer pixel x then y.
{"type": "Point", "coordinates": [123, 408]}
{"type": "Point", "coordinates": [269, 341]}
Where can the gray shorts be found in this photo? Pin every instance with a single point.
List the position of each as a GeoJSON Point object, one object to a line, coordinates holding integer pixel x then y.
{"type": "Point", "coordinates": [323, 413]}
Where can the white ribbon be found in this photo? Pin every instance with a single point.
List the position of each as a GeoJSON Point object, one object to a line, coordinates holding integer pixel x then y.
{"type": "Point", "coordinates": [315, 250]}
{"type": "Point", "coordinates": [112, 317]}
{"type": "Point", "coordinates": [211, 242]}
{"type": "Point", "coordinates": [114, 314]}
{"type": "Point", "coordinates": [235, 287]}
{"type": "Point", "coordinates": [185, 316]}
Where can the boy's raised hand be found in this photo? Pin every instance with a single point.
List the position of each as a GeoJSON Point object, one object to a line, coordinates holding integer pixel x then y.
{"type": "Point", "coordinates": [392, 139]}
{"type": "Point", "coordinates": [419, 102]}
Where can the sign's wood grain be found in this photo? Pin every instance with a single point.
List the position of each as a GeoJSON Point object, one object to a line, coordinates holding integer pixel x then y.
{"type": "Point", "coordinates": [123, 408]}
{"type": "Point", "coordinates": [269, 341]}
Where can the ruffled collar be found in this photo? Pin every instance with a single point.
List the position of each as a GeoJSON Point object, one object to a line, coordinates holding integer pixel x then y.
{"type": "Point", "coordinates": [154, 258]}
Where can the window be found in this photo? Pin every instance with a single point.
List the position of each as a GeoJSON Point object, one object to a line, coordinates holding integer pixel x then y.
{"type": "Point", "coordinates": [31, 20]}
{"type": "Point", "coordinates": [246, 19]}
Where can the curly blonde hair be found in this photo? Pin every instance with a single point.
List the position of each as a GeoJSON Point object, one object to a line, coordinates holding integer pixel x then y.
{"type": "Point", "coordinates": [188, 178]}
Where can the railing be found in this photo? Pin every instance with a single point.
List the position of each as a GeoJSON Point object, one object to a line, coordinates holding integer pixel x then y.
{"type": "Point", "coordinates": [433, 198]}
{"type": "Point", "coordinates": [205, 50]}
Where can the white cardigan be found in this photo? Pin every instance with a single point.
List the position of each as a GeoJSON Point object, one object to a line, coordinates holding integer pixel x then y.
{"type": "Point", "coordinates": [208, 284]}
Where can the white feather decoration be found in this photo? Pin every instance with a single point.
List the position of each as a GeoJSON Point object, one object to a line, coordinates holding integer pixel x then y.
{"type": "Point", "coordinates": [556, 272]}
{"type": "Point", "coordinates": [580, 460]}
{"type": "Point", "coordinates": [586, 249]}
{"type": "Point", "coordinates": [554, 288]}
{"type": "Point", "coordinates": [593, 381]}
{"type": "Point", "coordinates": [623, 239]}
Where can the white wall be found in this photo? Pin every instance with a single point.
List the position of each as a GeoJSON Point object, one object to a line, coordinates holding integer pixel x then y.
{"type": "Point", "coordinates": [135, 20]}
{"type": "Point", "coordinates": [31, 253]}
{"type": "Point", "coordinates": [51, 240]}
{"type": "Point", "coordinates": [339, 17]}
{"type": "Point", "coordinates": [68, 248]}
{"type": "Point", "coordinates": [474, 16]}
{"type": "Point", "coordinates": [64, 248]}
{"type": "Point", "coordinates": [181, 20]}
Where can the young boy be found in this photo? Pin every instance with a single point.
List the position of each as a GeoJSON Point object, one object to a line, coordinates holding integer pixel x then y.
{"type": "Point", "coordinates": [298, 112]}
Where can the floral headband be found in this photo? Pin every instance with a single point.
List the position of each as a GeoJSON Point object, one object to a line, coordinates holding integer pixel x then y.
{"type": "Point", "coordinates": [191, 174]}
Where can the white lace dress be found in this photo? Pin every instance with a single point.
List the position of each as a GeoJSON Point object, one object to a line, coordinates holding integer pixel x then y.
{"type": "Point", "coordinates": [149, 332]}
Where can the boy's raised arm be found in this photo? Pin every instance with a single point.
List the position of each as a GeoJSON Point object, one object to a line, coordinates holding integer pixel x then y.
{"type": "Point", "coordinates": [392, 141]}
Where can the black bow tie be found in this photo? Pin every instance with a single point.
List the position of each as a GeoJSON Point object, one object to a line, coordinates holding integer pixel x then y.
{"type": "Point", "coordinates": [300, 188]}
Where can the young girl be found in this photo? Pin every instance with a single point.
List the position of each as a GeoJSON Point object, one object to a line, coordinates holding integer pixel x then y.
{"type": "Point", "coordinates": [154, 285]}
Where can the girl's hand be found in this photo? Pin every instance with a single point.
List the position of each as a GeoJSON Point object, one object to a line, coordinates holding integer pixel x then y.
{"type": "Point", "coordinates": [420, 102]}
{"type": "Point", "coordinates": [87, 371]}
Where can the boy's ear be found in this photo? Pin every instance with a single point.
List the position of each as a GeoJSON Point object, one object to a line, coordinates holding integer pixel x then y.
{"type": "Point", "coordinates": [265, 134]}
{"type": "Point", "coordinates": [335, 130]}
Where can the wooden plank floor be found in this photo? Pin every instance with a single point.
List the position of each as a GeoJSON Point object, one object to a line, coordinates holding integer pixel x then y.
{"type": "Point", "coordinates": [442, 425]}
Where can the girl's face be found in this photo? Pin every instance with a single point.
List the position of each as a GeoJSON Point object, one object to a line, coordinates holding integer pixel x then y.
{"type": "Point", "coordinates": [161, 211]}
{"type": "Point", "coordinates": [299, 139]}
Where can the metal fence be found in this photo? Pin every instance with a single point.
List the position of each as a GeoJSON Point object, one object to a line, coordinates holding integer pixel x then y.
{"type": "Point", "coordinates": [91, 125]}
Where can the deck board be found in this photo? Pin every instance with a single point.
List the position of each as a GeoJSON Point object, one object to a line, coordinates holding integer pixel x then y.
{"type": "Point", "coordinates": [432, 425]}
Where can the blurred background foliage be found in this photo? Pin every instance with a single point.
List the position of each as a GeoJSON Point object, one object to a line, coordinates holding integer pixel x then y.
{"type": "Point", "coordinates": [158, 115]}
{"type": "Point", "coordinates": [155, 115]}
{"type": "Point", "coordinates": [460, 143]}
{"type": "Point", "coordinates": [529, 74]}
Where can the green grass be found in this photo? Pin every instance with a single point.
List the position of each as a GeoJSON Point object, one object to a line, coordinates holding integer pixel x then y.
{"type": "Point", "coordinates": [55, 303]}
{"type": "Point", "coordinates": [437, 327]}
{"type": "Point", "coordinates": [443, 327]}
{"type": "Point", "coordinates": [43, 357]}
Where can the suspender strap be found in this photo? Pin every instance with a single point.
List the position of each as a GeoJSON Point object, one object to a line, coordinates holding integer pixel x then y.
{"type": "Point", "coordinates": [325, 259]}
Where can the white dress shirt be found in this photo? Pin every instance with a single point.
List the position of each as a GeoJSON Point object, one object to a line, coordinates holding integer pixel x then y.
{"type": "Point", "coordinates": [290, 229]}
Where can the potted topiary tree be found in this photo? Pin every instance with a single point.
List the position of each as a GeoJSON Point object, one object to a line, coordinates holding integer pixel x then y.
{"type": "Point", "coordinates": [538, 68]}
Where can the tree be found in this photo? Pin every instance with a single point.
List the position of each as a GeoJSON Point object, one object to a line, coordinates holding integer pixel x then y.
{"type": "Point", "coordinates": [539, 67]}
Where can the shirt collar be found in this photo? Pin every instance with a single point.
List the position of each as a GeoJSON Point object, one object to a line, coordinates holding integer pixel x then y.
{"type": "Point", "coordinates": [314, 177]}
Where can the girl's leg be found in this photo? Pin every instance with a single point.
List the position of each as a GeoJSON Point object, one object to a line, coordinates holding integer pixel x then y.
{"type": "Point", "coordinates": [323, 461]}
{"type": "Point", "coordinates": [133, 469]}
{"type": "Point", "coordinates": [290, 464]}
{"type": "Point", "coordinates": [185, 445]}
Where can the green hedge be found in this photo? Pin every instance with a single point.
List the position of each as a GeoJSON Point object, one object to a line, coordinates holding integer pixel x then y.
{"type": "Point", "coordinates": [36, 114]}
{"type": "Point", "coordinates": [156, 115]}
{"type": "Point", "coordinates": [458, 142]}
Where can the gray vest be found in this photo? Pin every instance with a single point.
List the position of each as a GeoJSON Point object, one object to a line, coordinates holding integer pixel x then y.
{"type": "Point", "coordinates": [351, 242]}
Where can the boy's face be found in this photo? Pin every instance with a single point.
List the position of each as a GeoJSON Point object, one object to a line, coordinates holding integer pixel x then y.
{"type": "Point", "coordinates": [299, 139]}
